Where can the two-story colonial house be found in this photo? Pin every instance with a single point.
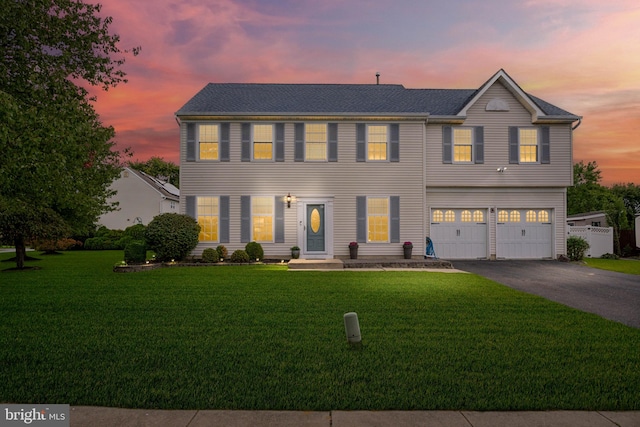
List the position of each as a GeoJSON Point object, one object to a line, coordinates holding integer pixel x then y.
{"type": "Point", "coordinates": [481, 172]}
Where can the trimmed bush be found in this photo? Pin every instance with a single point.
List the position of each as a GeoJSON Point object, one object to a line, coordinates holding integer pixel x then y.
{"type": "Point", "coordinates": [55, 245]}
{"type": "Point", "coordinates": [222, 252]}
{"type": "Point", "coordinates": [135, 252]}
{"type": "Point", "coordinates": [135, 231]}
{"type": "Point", "coordinates": [576, 248]}
{"type": "Point", "coordinates": [172, 236]}
{"type": "Point", "coordinates": [254, 250]}
{"type": "Point", "coordinates": [239, 255]}
{"type": "Point", "coordinates": [210, 255]}
{"type": "Point", "coordinates": [99, 244]}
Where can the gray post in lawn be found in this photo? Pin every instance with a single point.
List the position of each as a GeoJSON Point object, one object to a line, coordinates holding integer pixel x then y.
{"type": "Point", "coordinates": [352, 327]}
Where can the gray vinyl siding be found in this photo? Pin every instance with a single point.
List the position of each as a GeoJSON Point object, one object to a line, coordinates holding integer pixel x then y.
{"type": "Point", "coordinates": [558, 173]}
{"type": "Point", "coordinates": [488, 198]}
{"type": "Point", "coordinates": [342, 180]}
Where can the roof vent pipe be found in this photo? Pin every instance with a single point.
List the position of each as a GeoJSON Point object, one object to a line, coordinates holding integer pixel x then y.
{"type": "Point", "coordinates": [377, 78]}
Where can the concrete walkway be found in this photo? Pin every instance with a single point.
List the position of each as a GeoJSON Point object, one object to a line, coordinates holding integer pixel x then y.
{"type": "Point", "coordinates": [105, 417]}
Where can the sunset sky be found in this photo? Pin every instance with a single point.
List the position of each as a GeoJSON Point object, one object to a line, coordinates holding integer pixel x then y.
{"type": "Point", "coordinates": [581, 55]}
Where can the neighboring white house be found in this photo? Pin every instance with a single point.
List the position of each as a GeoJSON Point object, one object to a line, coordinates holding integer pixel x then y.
{"type": "Point", "coordinates": [482, 172]}
{"type": "Point", "coordinates": [595, 219]}
{"type": "Point", "coordinates": [140, 197]}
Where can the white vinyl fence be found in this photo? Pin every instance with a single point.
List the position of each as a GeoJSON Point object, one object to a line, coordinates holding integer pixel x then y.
{"type": "Point", "coordinates": [600, 239]}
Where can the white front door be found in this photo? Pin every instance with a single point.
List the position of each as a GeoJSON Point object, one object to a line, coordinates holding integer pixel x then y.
{"type": "Point", "coordinates": [315, 227]}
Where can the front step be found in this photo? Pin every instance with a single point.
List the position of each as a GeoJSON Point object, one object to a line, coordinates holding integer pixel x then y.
{"type": "Point", "coordinates": [316, 264]}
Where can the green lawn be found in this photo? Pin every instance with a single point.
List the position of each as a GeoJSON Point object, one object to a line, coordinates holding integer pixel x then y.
{"type": "Point", "coordinates": [261, 337]}
{"type": "Point", "coordinates": [629, 266]}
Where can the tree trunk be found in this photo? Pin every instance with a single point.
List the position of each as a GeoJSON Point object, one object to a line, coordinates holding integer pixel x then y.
{"type": "Point", "coordinates": [21, 252]}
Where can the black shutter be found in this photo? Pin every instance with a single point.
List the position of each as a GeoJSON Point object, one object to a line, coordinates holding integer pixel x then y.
{"type": "Point", "coordinates": [513, 145]}
{"type": "Point", "coordinates": [279, 142]}
{"type": "Point", "coordinates": [245, 219]}
{"type": "Point", "coordinates": [360, 142]}
{"type": "Point", "coordinates": [447, 145]}
{"type": "Point", "coordinates": [545, 146]}
{"type": "Point", "coordinates": [478, 145]}
{"type": "Point", "coordinates": [224, 219]}
{"type": "Point", "coordinates": [395, 143]}
{"type": "Point", "coordinates": [245, 155]}
{"type": "Point", "coordinates": [298, 142]}
{"type": "Point", "coordinates": [394, 208]}
{"type": "Point", "coordinates": [224, 141]}
{"type": "Point", "coordinates": [361, 219]}
{"type": "Point", "coordinates": [191, 142]}
{"type": "Point", "coordinates": [333, 141]}
{"type": "Point", "coordinates": [191, 206]}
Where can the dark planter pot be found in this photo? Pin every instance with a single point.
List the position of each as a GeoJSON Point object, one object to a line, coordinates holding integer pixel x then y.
{"type": "Point", "coordinates": [407, 251]}
{"type": "Point", "coordinates": [353, 252]}
{"type": "Point", "coordinates": [295, 254]}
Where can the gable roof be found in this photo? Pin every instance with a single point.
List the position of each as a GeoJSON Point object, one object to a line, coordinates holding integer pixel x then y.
{"type": "Point", "coordinates": [167, 190]}
{"type": "Point", "coordinates": [351, 99]}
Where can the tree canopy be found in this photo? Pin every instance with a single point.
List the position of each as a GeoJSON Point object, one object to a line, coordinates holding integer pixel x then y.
{"type": "Point", "coordinates": [159, 168]}
{"type": "Point", "coordinates": [58, 158]}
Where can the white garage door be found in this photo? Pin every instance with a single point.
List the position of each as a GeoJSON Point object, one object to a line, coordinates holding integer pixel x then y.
{"type": "Point", "coordinates": [524, 233]}
{"type": "Point", "coordinates": [459, 233]}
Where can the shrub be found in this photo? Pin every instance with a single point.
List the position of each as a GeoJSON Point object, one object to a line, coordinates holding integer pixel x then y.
{"type": "Point", "coordinates": [135, 252]}
{"type": "Point", "coordinates": [610, 256]}
{"type": "Point", "coordinates": [210, 255]}
{"type": "Point", "coordinates": [135, 231]}
{"type": "Point", "coordinates": [240, 255]}
{"type": "Point", "coordinates": [122, 242]}
{"type": "Point", "coordinates": [222, 252]}
{"type": "Point", "coordinates": [99, 244]}
{"type": "Point", "coordinates": [576, 248]}
{"type": "Point", "coordinates": [55, 245]}
{"type": "Point", "coordinates": [254, 250]}
{"type": "Point", "coordinates": [172, 236]}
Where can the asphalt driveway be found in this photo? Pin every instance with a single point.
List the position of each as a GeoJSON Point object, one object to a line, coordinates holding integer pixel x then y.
{"type": "Point", "coordinates": [614, 296]}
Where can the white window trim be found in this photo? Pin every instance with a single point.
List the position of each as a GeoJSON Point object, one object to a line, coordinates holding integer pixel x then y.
{"type": "Point", "coordinates": [273, 219]}
{"type": "Point", "coordinates": [198, 157]}
{"type": "Point", "coordinates": [370, 242]}
{"type": "Point", "coordinates": [326, 144]}
{"type": "Point", "coordinates": [217, 215]}
{"type": "Point", "coordinates": [453, 145]}
{"type": "Point", "coordinates": [538, 145]}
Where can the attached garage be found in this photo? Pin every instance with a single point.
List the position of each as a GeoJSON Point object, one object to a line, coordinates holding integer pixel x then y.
{"type": "Point", "coordinates": [524, 233]}
{"type": "Point", "coordinates": [459, 233]}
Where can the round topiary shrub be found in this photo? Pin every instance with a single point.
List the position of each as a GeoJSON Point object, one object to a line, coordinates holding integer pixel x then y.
{"type": "Point", "coordinates": [135, 252]}
{"type": "Point", "coordinates": [576, 248]}
{"type": "Point", "coordinates": [222, 252]}
{"type": "Point", "coordinates": [240, 255]}
{"type": "Point", "coordinates": [210, 255]}
{"type": "Point", "coordinates": [172, 236]}
{"type": "Point", "coordinates": [254, 250]}
{"type": "Point", "coordinates": [135, 231]}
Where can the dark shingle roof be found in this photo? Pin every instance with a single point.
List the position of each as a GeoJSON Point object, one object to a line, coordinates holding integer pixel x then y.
{"type": "Point", "coordinates": [256, 98]}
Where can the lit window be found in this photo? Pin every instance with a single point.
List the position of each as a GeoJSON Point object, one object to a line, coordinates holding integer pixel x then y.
{"type": "Point", "coordinates": [478, 216]}
{"type": "Point", "coordinates": [503, 216]}
{"type": "Point", "coordinates": [208, 215]}
{"type": "Point", "coordinates": [377, 142]}
{"type": "Point", "coordinates": [438, 216]}
{"type": "Point", "coordinates": [315, 141]}
{"type": "Point", "coordinates": [528, 145]}
{"type": "Point", "coordinates": [543, 216]}
{"type": "Point", "coordinates": [465, 216]}
{"type": "Point", "coordinates": [514, 216]}
{"type": "Point", "coordinates": [378, 219]}
{"type": "Point", "coordinates": [263, 142]}
{"type": "Point", "coordinates": [208, 141]}
{"type": "Point", "coordinates": [531, 216]}
{"type": "Point", "coordinates": [262, 218]}
{"type": "Point", "coordinates": [462, 145]}
{"type": "Point", "coordinates": [449, 216]}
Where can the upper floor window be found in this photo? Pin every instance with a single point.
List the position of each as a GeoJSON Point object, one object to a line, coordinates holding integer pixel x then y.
{"type": "Point", "coordinates": [377, 142]}
{"type": "Point", "coordinates": [462, 145]}
{"type": "Point", "coordinates": [208, 209]}
{"type": "Point", "coordinates": [208, 141]}
{"type": "Point", "coordinates": [263, 142]}
{"type": "Point", "coordinates": [529, 145]}
{"type": "Point", "coordinates": [315, 141]}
